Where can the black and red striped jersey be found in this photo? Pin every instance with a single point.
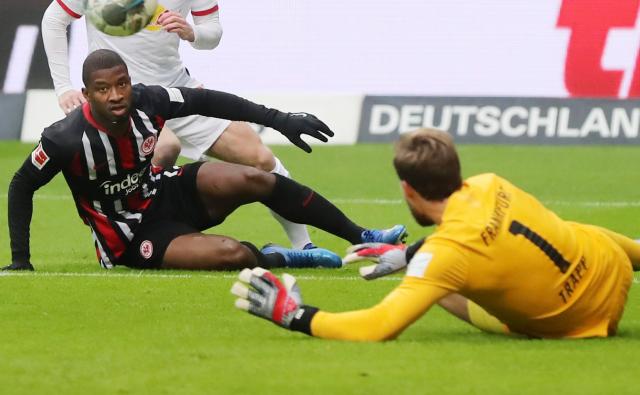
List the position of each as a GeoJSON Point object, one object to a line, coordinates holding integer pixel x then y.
{"type": "Point", "coordinates": [111, 178]}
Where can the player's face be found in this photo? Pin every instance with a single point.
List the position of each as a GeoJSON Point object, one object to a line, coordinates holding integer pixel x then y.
{"type": "Point", "coordinates": [109, 94]}
{"type": "Point", "coordinates": [416, 205]}
{"type": "Point", "coordinates": [420, 217]}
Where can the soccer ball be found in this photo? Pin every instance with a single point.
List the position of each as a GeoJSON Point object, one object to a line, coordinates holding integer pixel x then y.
{"type": "Point", "coordinates": [120, 17]}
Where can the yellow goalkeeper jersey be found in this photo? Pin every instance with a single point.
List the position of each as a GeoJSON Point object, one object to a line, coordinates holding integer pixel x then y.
{"type": "Point", "coordinates": [501, 248]}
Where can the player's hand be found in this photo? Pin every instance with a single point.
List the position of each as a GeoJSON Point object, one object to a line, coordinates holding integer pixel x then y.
{"type": "Point", "coordinates": [390, 258]}
{"type": "Point", "coordinates": [295, 124]}
{"type": "Point", "coordinates": [173, 22]}
{"type": "Point", "coordinates": [70, 100]}
{"type": "Point", "coordinates": [19, 266]}
{"type": "Point", "coordinates": [268, 297]}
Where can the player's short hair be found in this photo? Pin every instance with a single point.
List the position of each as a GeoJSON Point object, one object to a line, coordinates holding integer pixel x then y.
{"type": "Point", "coordinates": [98, 60]}
{"type": "Point", "coordinates": [427, 160]}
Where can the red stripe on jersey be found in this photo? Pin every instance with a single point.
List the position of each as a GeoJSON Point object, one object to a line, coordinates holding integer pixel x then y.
{"type": "Point", "coordinates": [204, 12]}
{"type": "Point", "coordinates": [86, 111]}
{"type": "Point", "coordinates": [103, 226]}
{"type": "Point", "coordinates": [68, 10]}
{"type": "Point", "coordinates": [160, 122]}
{"type": "Point", "coordinates": [76, 165]}
{"type": "Point", "coordinates": [125, 148]}
{"type": "Point", "coordinates": [135, 202]}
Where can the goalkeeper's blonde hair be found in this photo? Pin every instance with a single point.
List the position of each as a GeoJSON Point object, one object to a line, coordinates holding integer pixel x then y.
{"type": "Point", "coordinates": [427, 160]}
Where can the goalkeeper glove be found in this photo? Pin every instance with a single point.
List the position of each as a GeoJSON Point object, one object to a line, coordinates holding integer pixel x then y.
{"type": "Point", "coordinates": [270, 299]}
{"type": "Point", "coordinates": [390, 258]}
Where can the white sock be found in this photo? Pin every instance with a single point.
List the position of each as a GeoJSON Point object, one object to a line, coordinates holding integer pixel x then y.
{"type": "Point", "coordinates": [297, 233]}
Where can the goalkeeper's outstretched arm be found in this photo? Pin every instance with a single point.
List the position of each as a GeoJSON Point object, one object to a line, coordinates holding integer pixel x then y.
{"type": "Point", "coordinates": [282, 304]}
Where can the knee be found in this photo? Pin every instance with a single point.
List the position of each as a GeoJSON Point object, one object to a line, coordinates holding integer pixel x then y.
{"type": "Point", "coordinates": [257, 180]}
{"type": "Point", "coordinates": [166, 153]}
{"type": "Point", "coordinates": [264, 159]}
{"type": "Point", "coordinates": [233, 255]}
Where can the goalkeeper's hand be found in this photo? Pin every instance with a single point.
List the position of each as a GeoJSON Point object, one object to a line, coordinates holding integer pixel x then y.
{"type": "Point", "coordinates": [390, 258]}
{"type": "Point", "coordinates": [19, 266]}
{"type": "Point", "coordinates": [270, 299]}
{"type": "Point", "coordinates": [294, 125]}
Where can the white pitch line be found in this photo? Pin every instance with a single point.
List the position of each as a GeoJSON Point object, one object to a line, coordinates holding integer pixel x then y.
{"type": "Point", "coordinates": [219, 276]}
{"type": "Point", "coordinates": [141, 274]}
{"type": "Point", "coordinates": [395, 202]}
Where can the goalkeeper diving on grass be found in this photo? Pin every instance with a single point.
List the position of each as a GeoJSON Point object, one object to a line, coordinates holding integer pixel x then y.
{"type": "Point", "coordinates": [498, 259]}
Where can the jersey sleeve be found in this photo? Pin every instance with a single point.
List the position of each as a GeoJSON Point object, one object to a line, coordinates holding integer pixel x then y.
{"type": "Point", "coordinates": [204, 7]}
{"type": "Point", "coordinates": [207, 29]}
{"type": "Point", "coordinates": [181, 102]}
{"type": "Point", "coordinates": [37, 170]}
{"type": "Point", "coordinates": [75, 8]}
{"type": "Point", "coordinates": [433, 272]}
{"type": "Point", "coordinates": [439, 265]}
{"type": "Point", "coordinates": [404, 305]}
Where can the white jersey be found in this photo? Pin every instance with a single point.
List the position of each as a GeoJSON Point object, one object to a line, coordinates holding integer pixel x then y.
{"type": "Point", "coordinates": [151, 55]}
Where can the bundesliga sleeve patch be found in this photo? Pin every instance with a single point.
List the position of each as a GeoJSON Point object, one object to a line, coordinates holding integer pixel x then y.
{"type": "Point", "coordinates": [175, 95]}
{"type": "Point", "coordinates": [39, 158]}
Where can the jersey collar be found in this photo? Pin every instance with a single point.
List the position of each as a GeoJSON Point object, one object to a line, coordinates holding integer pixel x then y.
{"type": "Point", "coordinates": [86, 111]}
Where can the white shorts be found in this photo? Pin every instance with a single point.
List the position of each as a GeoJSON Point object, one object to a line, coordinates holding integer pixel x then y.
{"type": "Point", "coordinates": [197, 133]}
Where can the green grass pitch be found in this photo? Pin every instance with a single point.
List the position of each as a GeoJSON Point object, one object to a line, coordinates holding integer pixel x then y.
{"type": "Point", "coordinates": [73, 328]}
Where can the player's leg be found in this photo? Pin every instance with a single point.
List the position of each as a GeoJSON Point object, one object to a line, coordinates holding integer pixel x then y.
{"type": "Point", "coordinates": [468, 311]}
{"type": "Point", "coordinates": [240, 144]}
{"type": "Point", "coordinates": [631, 247]}
{"type": "Point", "coordinates": [167, 149]}
{"type": "Point", "coordinates": [197, 251]}
{"type": "Point", "coordinates": [223, 187]}
{"type": "Point", "coordinates": [167, 243]}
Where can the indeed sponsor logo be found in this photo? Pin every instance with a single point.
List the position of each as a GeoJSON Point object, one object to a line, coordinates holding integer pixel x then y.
{"type": "Point", "coordinates": [126, 186]}
{"type": "Point", "coordinates": [502, 119]}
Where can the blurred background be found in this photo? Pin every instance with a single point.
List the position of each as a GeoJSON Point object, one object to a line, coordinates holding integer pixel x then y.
{"type": "Point", "coordinates": [520, 71]}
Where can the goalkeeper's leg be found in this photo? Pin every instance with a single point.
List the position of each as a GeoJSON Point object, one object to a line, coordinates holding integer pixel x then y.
{"type": "Point", "coordinates": [631, 247]}
{"type": "Point", "coordinates": [472, 313]}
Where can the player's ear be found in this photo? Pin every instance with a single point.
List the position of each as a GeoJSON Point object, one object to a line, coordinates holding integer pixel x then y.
{"type": "Point", "coordinates": [85, 93]}
{"type": "Point", "coordinates": [407, 189]}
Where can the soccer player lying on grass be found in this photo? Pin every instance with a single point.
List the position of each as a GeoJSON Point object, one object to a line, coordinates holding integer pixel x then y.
{"type": "Point", "coordinates": [144, 216]}
{"type": "Point", "coordinates": [498, 259]}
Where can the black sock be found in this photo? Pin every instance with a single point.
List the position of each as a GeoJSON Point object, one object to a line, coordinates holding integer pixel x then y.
{"type": "Point", "coordinates": [302, 205]}
{"type": "Point", "coordinates": [267, 261]}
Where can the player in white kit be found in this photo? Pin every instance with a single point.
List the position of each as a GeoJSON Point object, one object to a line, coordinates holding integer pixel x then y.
{"type": "Point", "coordinates": [153, 59]}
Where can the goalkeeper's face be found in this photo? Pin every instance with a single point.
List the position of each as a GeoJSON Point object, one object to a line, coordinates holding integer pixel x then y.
{"type": "Point", "coordinates": [421, 218]}
{"type": "Point", "coordinates": [417, 205]}
{"type": "Point", "coordinates": [109, 94]}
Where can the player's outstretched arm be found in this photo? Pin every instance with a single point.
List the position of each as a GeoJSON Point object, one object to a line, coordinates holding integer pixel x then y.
{"type": "Point", "coordinates": [54, 36]}
{"type": "Point", "coordinates": [37, 170]}
{"type": "Point", "coordinates": [21, 192]}
{"type": "Point", "coordinates": [181, 102]}
{"type": "Point", "coordinates": [262, 294]}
